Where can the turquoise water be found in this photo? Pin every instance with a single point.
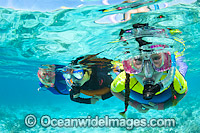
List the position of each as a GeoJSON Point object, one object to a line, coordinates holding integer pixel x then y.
{"type": "Point", "coordinates": [29, 39]}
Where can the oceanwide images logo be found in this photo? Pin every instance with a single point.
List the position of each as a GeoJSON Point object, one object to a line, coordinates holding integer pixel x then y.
{"type": "Point", "coordinates": [46, 121]}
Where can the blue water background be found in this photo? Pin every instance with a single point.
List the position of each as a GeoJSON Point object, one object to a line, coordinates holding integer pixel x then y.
{"type": "Point", "coordinates": [28, 39]}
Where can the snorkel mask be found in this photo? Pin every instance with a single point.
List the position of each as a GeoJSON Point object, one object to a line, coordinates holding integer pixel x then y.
{"type": "Point", "coordinates": [46, 75]}
{"type": "Point", "coordinates": [160, 62]}
{"type": "Point", "coordinates": [150, 60]}
{"type": "Point", "coordinates": [73, 74]}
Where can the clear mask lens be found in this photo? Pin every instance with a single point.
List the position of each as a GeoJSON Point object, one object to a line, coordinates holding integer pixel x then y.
{"type": "Point", "coordinates": [160, 62]}
{"type": "Point", "coordinates": [67, 76]}
{"type": "Point", "coordinates": [78, 74]}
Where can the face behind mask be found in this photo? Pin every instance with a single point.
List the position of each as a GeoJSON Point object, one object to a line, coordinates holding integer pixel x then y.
{"type": "Point", "coordinates": [148, 78]}
{"type": "Point", "coordinates": [47, 77]}
{"type": "Point", "coordinates": [153, 76]}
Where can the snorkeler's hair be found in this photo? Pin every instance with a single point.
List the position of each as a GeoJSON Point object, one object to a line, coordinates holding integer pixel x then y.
{"type": "Point", "coordinates": [127, 93]}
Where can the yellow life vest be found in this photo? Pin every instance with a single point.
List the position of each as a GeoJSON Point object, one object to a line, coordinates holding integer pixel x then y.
{"type": "Point", "coordinates": [118, 85]}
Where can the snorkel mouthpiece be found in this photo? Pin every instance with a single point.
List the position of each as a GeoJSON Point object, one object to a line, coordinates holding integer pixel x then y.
{"type": "Point", "coordinates": [150, 91]}
{"type": "Point", "coordinates": [147, 92]}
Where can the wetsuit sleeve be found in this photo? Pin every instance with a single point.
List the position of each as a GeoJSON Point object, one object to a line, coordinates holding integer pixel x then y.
{"type": "Point", "coordinates": [79, 100]}
{"type": "Point", "coordinates": [42, 87]}
{"type": "Point", "coordinates": [76, 90]}
{"type": "Point", "coordinates": [118, 83]}
{"type": "Point", "coordinates": [107, 95]}
{"type": "Point", "coordinates": [41, 84]}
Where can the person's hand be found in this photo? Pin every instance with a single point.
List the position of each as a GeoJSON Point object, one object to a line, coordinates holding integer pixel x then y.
{"type": "Point", "coordinates": [140, 108]}
{"type": "Point", "coordinates": [98, 97]}
{"type": "Point", "coordinates": [76, 95]}
{"type": "Point", "coordinates": [151, 106]}
{"type": "Point", "coordinates": [94, 100]}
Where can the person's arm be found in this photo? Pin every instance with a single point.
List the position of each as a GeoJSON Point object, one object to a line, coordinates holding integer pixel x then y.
{"type": "Point", "coordinates": [177, 97]}
{"type": "Point", "coordinates": [138, 106]}
{"type": "Point", "coordinates": [42, 87]}
{"type": "Point", "coordinates": [41, 84]}
{"type": "Point", "coordinates": [78, 99]}
{"type": "Point", "coordinates": [106, 96]}
{"type": "Point", "coordinates": [121, 96]}
{"type": "Point", "coordinates": [172, 101]}
{"type": "Point", "coordinates": [117, 87]}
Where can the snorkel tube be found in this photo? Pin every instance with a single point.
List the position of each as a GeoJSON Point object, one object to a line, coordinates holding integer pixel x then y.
{"type": "Point", "coordinates": [150, 91]}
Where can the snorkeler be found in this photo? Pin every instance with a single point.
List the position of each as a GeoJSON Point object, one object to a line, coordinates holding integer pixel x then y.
{"type": "Point", "coordinates": [151, 79]}
{"type": "Point", "coordinates": [93, 81]}
{"type": "Point", "coordinates": [124, 17]}
{"type": "Point", "coordinates": [51, 78]}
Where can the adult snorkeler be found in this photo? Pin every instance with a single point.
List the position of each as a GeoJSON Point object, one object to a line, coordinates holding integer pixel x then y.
{"type": "Point", "coordinates": [51, 78]}
{"type": "Point", "coordinates": [151, 78]}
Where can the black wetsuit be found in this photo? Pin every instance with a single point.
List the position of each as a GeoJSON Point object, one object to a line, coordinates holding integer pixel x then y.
{"type": "Point", "coordinates": [98, 80]}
